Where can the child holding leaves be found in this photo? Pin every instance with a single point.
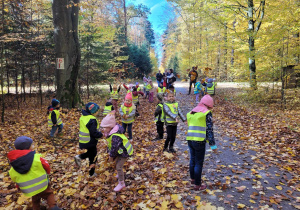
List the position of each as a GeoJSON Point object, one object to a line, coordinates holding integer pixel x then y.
{"type": "Point", "coordinates": [127, 111]}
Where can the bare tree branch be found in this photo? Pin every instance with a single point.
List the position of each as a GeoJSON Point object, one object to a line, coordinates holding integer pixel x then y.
{"type": "Point", "coordinates": [261, 14]}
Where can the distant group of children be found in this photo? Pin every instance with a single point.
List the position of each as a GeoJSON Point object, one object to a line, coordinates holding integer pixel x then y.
{"type": "Point", "coordinates": [204, 86]}
{"type": "Point", "coordinates": [33, 179]}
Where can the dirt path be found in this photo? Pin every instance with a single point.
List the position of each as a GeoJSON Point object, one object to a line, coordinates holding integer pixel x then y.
{"type": "Point", "coordinates": [233, 179]}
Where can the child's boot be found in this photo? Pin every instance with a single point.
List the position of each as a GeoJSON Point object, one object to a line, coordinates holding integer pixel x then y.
{"type": "Point", "coordinates": [172, 150]}
{"type": "Point", "coordinates": [120, 186]}
{"type": "Point", "coordinates": [77, 160]}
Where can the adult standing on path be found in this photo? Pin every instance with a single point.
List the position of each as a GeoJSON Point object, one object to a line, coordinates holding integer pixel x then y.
{"type": "Point", "coordinates": [193, 75]}
{"type": "Point", "coordinates": [159, 78]}
{"type": "Point", "coordinates": [200, 130]}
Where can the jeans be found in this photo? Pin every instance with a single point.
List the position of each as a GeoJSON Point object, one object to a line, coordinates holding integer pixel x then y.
{"type": "Point", "coordinates": [171, 136]}
{"type": "Point", "coordinates": [197, 154]}
{"type": "Point", "coordinates": [124, 125]}
{"type": "Point", "coordinates": [91, 154]}
{"type": "Point", "coordinates": [54, 128]}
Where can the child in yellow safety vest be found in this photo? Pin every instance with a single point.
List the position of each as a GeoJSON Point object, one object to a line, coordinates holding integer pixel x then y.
{"type": "Point", "coordinates": [88, 136]}
{"type": "Point", "coordinates": [114, 95]}
{"type": "Point", "coordinates": [159, 118]}
{"type": "Point", "coordinates": [160, 89]}
{"type": "Point", "coordinates": [119, 146]}
{"type": "Point", "coordinates": [127, 112]}
{"type": "Point", "coordinates": [200, 130]}
{"type": "Point", "coordinates": [108, 108]}
{"type": "Point", "coordinates": [172, 112]}
{"type": "Point", "coordinates": [149, 88]}
{"type": "Point", "coordinates": [30, 172]}
{"type": "Point", "coordinates": [135, 99]}
{"type": "Point", "coordinates": [54, 120]}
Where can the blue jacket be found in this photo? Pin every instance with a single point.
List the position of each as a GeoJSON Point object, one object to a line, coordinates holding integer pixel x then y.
{"type": "Point", "coordinates": [197, 88]}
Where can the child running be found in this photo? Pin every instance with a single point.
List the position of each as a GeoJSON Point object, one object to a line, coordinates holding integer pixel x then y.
{"type": "Point", "coordinates": [54, 120]}
{"type": "Point", "coordinates": [30, 172]}
{"type": "Point", "coordinates": [127, 111]}
{"type": "Point", "coordinates": [200, 130]}
{"type": "Point", "coordinates": [88, 136]}
{"type": "Point", "coordinates": [119, 146]}
{"type": "Point", "coordinates": [171, 112]}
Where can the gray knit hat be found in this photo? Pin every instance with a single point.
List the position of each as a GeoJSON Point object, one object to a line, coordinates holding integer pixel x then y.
{"type": "Point", "coordinates": [23, 143]}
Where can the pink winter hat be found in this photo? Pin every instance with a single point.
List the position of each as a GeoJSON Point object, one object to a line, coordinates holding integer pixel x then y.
{"type": "Point", "coordinates": [206, 101]}
{"type": "Point", "coordinates": [128, 96]}
{"type": "Point", "coordinates": [109, 120]}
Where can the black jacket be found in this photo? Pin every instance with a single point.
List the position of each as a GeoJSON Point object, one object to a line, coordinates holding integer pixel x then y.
{"type": "Point", "coordinates": [94, 133]}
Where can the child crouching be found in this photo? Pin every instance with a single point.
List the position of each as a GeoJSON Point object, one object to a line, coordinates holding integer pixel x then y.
{"type": "Point", "coordinates": [30, 172]}
{"type": "Point", "coordinates": [119, 146]}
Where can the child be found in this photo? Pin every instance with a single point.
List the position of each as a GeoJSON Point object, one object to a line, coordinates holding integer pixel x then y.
{"type": "Point", "coordinates": [88, 136]}
{"type": "Point", "coordinates": [197, 90]}
{"type": "Point", "coordinates": [159, 117]}
{"type": "Point", "coordinates": [127, 111]}
{"type": "Point", "coordinates": [148, 88]}
{"type": "Point", "coordinates": [145, 81]}
{"type": "Point", "coordinates": [135, 99]}
{"type": "Point", "coordinates": [171, 111]}
{"type": "Point", "coordinates": [138, 88]}
{"type": "Point", "coordinates": [108, 108]}
{"type": "Point", "coordinates": [210, 86]}
{"type": "Point", "coordinates": [172, 88]}
{"type": "Point", "coordinates": [114, 95]}
{"type": "Point", "coordinates": [119, 146]}
{"type": "Point", "coordinates": [161, 89]}
{"type": "Point", "coordinates": [200, 130]}
{"type": "Point", "coordinates": [30, 172]}
{"type": "Point", "coordinates": [54, 121]}
{"type": "Point", "coordinates": [50, 108]}
{"type": "Point", "coordinates": [129, 88]}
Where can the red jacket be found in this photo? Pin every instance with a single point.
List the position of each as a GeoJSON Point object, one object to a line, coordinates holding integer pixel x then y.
{"type": "Point", "coordinates": [15, 154]}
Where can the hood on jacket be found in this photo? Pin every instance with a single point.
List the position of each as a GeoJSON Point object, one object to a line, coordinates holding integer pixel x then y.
{"type": "Point", "coordinates": [117, 129]}
{"type": "Point", "coordinates": [21, 160]}
{"type": "Point", "coordinates": [85, 113]}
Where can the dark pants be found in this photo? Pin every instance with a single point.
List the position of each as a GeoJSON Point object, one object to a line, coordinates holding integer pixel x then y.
{"type": "Point", "coordinates": [171, 136]}
{"type": "Point", "coordinates": [91, 154]}
{"type": "Point", "coordinates": [147, 94]}
{"type": "Point", "coordinates": [191, 86]}
{"type": "Point", "coordinates": [160, 129]}
{"type": "Point", "coordinates": [124, 125]}
{"type": "Point", "coordinates": [46, 195]}
{"type": "Point", "coordinates": [197, 154]}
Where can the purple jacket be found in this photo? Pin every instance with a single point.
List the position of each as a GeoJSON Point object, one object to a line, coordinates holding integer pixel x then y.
{"type": "Point", "coordinates": [117, 143]}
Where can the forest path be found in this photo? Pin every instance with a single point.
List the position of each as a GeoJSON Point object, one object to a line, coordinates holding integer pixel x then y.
{"type": "Point", "coordinates": [234, 180]}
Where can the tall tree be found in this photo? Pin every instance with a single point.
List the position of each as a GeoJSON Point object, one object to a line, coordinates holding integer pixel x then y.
{"type": "Point", "coordinates": [65, 19]}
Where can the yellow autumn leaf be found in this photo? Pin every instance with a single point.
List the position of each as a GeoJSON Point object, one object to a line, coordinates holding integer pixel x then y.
{"type": "Point", "coordinates": [22, 199]}
{"type": "Point", "coordinates": [241, 206]}
{"type": "Point", "coordinates": [279, 187]}
{"type": "Point", "coordinates": [179, 205]}
{"type": "Point", "coordinates": [252, 201]}
{"type": "Point", "coordinates": [164, 204]}
{"type": "Point", "coordinates": [140, 192]}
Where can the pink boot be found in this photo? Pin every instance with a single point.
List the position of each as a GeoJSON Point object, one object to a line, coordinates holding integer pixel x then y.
{"type": "Point", "coordinates": [120, 186]}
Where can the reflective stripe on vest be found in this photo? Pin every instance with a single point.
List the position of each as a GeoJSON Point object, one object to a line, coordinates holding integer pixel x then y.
{"type": "Point", "coordinates": [211, 90]}
{"type": "Point", "coordinates": [34, 181]}
{"type": "Point", "coordinates": [135, 99]}
{"type": "Point", "coordinates": [197, 126]}
{"type": "Point", "coordinates": [157, 118]}
{"type": "Point", "coordinates": [126, 143]}
{"type": "Point", "coordinates": [127, 111]}
{"type": "Point", "coordinates": [58, 119]}
{"type": "Point", "coordinates": [114, 94]}
{"type": "Point", "coordinates": [107, 109]}
{"type": "Point", "coordinates": [174, 109]}
{"type": "Point", "coordinates": [84, 134]}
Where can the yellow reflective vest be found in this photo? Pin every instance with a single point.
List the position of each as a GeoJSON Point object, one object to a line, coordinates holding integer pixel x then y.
{"type": "Point", "coordinates": [107, 109]}
{"type": "Point", "coordinates": [34, 181]}
{"type": "Point", "coordinates": [148, 87]}
{"type": "Point", "coordinates": [84, 133]}
{"type": "Point", "coordinates": [197, 126]}
{"type": "Point", "coordinates": [161, 90]}
{"type": "Point", "coordinates": [127, 111]}
{"type": "Point", "coordinates": [174, 109]}
{"type": "Point", "coordinates": [126, 143]}
{"type": "Point", "coordinates": [157, 118]}
{"type": "Point", "coordinates": [211, 90]}
{"type": "Point", "coordinates": [58, 119]}
{"type": "Point", "coordinates": [114, 95]}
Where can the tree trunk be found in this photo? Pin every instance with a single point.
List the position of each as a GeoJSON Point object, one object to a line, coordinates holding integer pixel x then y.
{"type": "Point", "coordinates": [125, 19]}
{"type": "Point", "coordinates": [65, 20]}
{"type": "Point", "coordinates": [2, 77]}
{"type": "Point", "coordinates": [252, 66]}
{"type": "Point", "coordinates": [225, 50]}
